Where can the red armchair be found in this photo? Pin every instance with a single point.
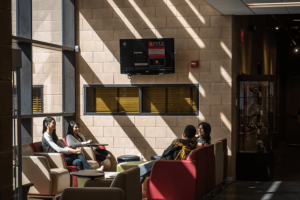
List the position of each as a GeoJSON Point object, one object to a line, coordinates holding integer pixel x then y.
{"type": "Point", "coordinates": [180, 180]}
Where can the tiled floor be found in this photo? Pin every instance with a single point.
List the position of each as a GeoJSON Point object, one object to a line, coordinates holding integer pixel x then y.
{"type": "Point", "coordinates": [285, 186]}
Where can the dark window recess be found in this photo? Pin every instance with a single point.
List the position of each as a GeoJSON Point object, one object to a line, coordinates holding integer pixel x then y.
{"type": "Point", "coordinates": [154, 100]}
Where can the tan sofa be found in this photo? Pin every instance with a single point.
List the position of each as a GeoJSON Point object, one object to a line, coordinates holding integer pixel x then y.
{"type": "Point", "coordinates": [46, 170]}
{"type": "Point", "coordinates": [126, 186]}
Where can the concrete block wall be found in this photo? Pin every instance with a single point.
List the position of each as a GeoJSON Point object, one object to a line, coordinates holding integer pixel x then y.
{"type": "Point", "coordinates": [47, 21]}
{"type": "Point", "coordinates": [6, 189]}
{"type": "Point", "coordinates": [200, 33]}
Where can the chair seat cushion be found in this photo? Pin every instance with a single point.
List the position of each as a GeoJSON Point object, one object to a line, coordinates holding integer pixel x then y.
{"type": "Point", "coordinates": [60, 180]}
{"type": "Point", "coordinates": [72, 168]}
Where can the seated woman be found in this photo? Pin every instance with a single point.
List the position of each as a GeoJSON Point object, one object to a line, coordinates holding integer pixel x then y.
{"type": "Point", "coordinates": [76, 139]}
{"type": "Point", "coordinates": [50, 143]}
{"type": "Point", "coordinates": [203, 136]}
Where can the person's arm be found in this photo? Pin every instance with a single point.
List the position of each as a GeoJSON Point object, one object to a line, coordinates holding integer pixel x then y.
{"type": "Point", "coordinates": [72, 142]}
{"type": "Point", "coordinates": [84, 140]}
{"type": "Point", "coordinates": [56, 147]}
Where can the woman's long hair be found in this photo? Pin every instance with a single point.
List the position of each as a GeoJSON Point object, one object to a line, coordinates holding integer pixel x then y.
{"type": "Point", "coordinates": [70, 129]}
{"type": "Point", "coordinates": [46, 121]}
{"type": "Point", "coordinates": [207, 130]}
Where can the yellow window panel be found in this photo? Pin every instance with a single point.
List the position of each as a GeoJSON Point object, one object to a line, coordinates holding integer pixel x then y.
{"type": "Point", "coordinates": [154, 99]}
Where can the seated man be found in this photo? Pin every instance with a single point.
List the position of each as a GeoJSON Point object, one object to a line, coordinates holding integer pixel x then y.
{"type": "Point", "coordinates": [178, 150]}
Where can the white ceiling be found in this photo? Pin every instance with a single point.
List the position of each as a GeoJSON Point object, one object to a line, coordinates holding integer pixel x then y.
{"type": "Point", "coordinates": [239, 7]}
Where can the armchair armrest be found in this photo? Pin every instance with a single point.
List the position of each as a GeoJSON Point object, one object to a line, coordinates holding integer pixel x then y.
{"type": "Point", "coordinates": [36, 169]}
{"type": "Point", "coordinates": [56, 160]}
{"type": "Point", "coordinates": [169, 178]}
{"type": "Point", "coordinates": [93, 193]}
{"type": "Point", "coordinates": [89, 153]}
{"type": "Point", "coordinates": [98, 183]}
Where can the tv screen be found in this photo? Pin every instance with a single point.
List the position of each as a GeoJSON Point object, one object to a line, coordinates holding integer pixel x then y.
{"type": "Point", "coordinates": [147, 56]}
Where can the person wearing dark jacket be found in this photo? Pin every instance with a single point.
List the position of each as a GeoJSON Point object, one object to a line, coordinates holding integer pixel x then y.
{"type": "Point", "coordinates": [178, 150]}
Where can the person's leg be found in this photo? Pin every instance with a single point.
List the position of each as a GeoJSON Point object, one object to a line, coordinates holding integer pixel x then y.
{"type": "Point", "coordinates": [84, 162]}
{"type": "Point", "coordinates": [69, 158]}
{"type": "Point", "coordinates": [77, 162]}
{"type": "Point", "coordinates": [145, 169]}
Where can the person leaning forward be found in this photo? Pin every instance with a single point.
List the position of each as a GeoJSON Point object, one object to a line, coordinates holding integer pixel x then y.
{"type": "Point", "coordinates": [178, 150]}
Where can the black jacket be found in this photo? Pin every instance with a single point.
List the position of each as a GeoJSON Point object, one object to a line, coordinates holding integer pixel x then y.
{"type": "Point", "coordinates": [172, 151]}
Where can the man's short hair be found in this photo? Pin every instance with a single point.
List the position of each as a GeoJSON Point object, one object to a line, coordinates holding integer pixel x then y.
{"type": "Point", "coordinates": [190, 131]}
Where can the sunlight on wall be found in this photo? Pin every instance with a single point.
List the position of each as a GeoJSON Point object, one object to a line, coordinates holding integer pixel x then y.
{"type": "Point", "coordinates": [147, 21]}
{"type": "Point", "coordinates": [125, 20]}
{"type": "Point", "coordinates": [225, 121]}
{"type": "Point", "coordinates": [192, 33]}
{"type": "Point", "coordinates": [195, 11]}
{"type": "Point", "coordinates": [202, 91]}
{"type": "Point", "coordinates": [225, 48]}
{"type": "Point", "coordinates": [226, 76]}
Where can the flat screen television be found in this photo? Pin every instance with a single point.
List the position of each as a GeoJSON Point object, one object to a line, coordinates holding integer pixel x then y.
{"type": "Point", "coordinates": [147, 56]}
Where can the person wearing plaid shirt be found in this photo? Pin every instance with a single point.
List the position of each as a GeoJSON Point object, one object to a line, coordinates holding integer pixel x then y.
{"type": "Point", "coordinates": [178, 150]}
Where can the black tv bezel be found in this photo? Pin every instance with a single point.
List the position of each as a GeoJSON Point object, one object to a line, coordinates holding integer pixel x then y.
{"type": "Point", "coordinates": [143, 71]}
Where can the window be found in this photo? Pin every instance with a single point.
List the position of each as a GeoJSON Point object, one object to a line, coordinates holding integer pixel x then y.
{"type": "Point", "coordinates": [141, 99]}
{"type": "Point", "coordinates": [37, 100]}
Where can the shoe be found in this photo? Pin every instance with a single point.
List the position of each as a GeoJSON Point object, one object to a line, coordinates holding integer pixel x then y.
{"type": "Point", "coordinates": [100, 168]}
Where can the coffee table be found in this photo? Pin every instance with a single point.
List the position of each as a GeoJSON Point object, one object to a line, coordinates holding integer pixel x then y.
{"type": "Point", "coordinates": [85, 175]}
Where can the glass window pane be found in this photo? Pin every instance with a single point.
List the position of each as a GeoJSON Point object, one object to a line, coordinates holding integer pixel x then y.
{"type": "Point", "coordinates": [154, 99]}
{"type": "Point", "coordinates": [106, 100]}
{"type": "Point", "coordinates": [47, 21]}
{"type": "Point", "coordinates": [182, 99]}
{"type": "Point", "coordinates": [47, 73]}
{"type": "Point", "coordinates": [128, 100]}
{"type": "Point", "coordinates": [37, 102]}
{"type": "Point", "coordinates": [14, 17]}
{"type": "Point", "coordinates": [38, 128]}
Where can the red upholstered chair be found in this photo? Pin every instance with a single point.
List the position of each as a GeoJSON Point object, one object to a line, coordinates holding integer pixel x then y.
{"type": "Point", "coordinates": [177, 180]}
{"type": "Point", "coordinates": [225, 151]}
{"type": "Point", "coordinates": [37, 147]}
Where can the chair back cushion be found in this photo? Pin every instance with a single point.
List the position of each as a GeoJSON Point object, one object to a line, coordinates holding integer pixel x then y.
{"type": "Point", "coordinates": [225, 151]}
{"type": "Point", "coordinates": [219, 160]}
{"type": "Point", "coordinates": [65, 141]}
{"type": "Point", "coordinates": [27, 150]}
{"type": "Point", "coordinates": [36, 147]}
{"type": "Point", "coordinates": [129, 181]}
{"type": "Point", "coordinates": [210, 176]}
{"type": "Point", "coordinates": [199, 156]}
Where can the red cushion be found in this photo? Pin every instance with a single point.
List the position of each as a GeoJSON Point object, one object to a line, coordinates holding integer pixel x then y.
{"type": "Point", "coordinates": [73, 179]}
{"type": "Point", "coordinates": [36, 147]}
{"type": "Point", "coordinates": [65, 141]}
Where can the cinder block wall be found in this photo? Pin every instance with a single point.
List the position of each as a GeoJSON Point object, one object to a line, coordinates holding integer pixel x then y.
{"type": "Point", "coordinates": [200, 33]}
{"type": "Point", "coordinates": [6, 101]}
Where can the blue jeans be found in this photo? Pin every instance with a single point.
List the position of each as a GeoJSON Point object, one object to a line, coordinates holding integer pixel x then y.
{"type": "Point", "coordinates": [78, 160]}
{"type": "Point", "coordinates": [145, 170]}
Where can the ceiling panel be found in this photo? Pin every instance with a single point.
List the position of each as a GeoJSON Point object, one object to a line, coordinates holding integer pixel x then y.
{"type": "Point", "coordinates": [269, 11]}
{"type": "Point", "coordinates": [294, 10]}
{"type": "Point", "coordinates": [236, 9]}
{"type": "Point", "coordinates": [261, 1]}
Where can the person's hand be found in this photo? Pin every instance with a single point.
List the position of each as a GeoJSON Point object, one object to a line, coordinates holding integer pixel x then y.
{"type": "Point", "coordinates": [89, 141]}
{"type": "Point", "coordinates": [78, 151]}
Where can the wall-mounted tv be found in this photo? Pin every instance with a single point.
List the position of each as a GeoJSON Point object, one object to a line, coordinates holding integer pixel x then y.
{"type": "Point", "coordinates": [147, 56]}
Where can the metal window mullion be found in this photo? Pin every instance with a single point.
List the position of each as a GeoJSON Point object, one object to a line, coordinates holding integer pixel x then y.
{"type": "Point", "coordinates": [140, 100]}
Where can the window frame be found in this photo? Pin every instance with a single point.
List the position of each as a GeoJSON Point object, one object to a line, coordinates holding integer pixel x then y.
{"type": "Point", "coordinates": [140, 86]}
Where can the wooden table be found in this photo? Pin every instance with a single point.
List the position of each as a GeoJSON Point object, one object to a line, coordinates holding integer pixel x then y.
{"type": "Point", "coordinates": [84, 175]}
